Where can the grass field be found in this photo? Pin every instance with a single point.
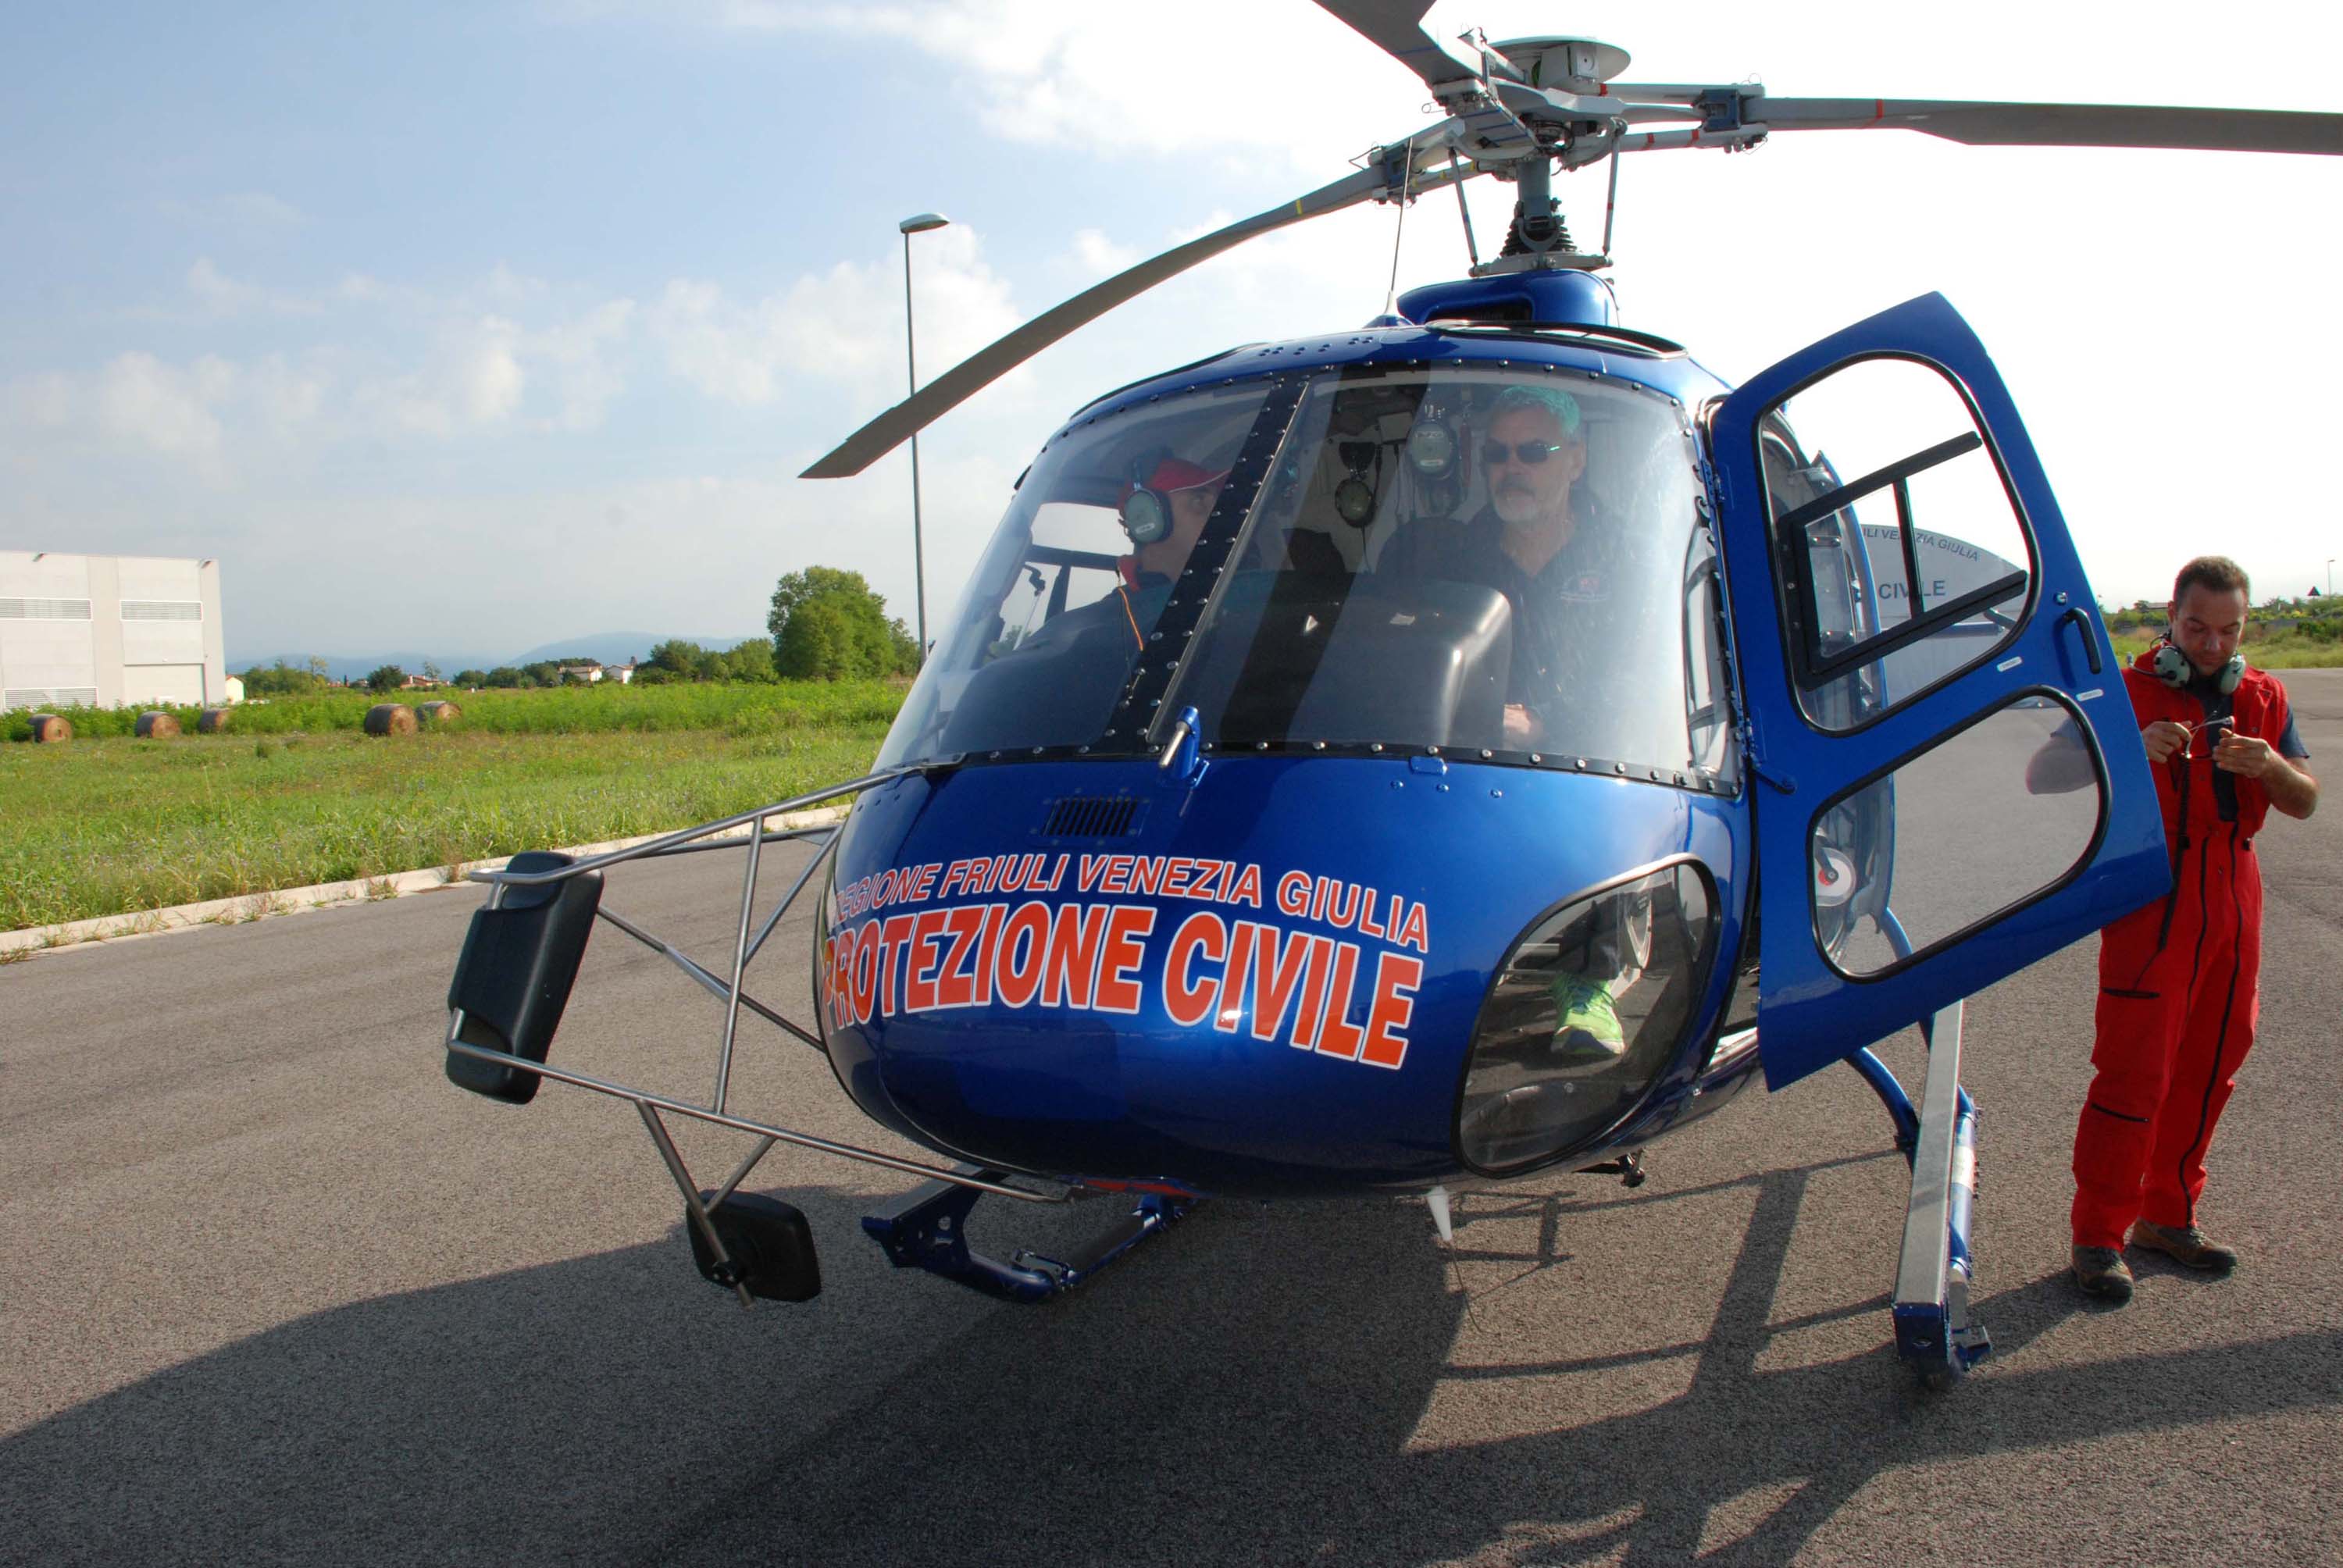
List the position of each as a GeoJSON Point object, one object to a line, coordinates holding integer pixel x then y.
{"type": "Point", "coordinates": [111, 825]}
{"type": "Point", "coordinates": [738, 710]}
{"type": "Point", "coordinates": [2282, 652]}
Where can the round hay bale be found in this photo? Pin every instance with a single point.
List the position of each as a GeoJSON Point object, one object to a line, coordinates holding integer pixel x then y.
{"type": "Point", "coordinates": [156, 725]}
{"type": "Point", "coordinates": [432, 713]}
{"type": "Point", "coordinates": [390, 718]}
{"type": "Point", "coordinates": [212, 720]}
{"type": "Point", "coordinates": [48, 729]}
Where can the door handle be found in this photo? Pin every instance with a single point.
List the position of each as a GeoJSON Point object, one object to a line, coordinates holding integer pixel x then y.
{"type": "Point", "coordinates": [2090, 643]}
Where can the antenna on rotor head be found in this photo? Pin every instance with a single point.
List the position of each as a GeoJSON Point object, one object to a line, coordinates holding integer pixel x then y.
{"type": "Point", "coordinates": [1399, 231]}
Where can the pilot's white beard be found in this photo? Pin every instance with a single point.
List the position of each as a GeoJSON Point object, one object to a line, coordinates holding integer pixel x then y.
{"type": "Point", "coordinates": [1518, 507]}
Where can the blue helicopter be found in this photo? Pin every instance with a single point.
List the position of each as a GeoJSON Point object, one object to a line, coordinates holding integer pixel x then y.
{"type": "Point", "coordinates": [1350, 766]}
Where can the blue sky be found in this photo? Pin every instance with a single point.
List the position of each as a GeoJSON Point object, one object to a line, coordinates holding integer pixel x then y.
{"type": "Point", "coordinates": [474, 327]}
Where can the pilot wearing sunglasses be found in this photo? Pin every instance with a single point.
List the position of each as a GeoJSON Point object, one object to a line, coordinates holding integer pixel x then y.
{"type": "Point", "coordinates": [1530, 543]}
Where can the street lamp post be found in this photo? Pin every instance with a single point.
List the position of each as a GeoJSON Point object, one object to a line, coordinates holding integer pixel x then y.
{"type": "Point", "coordinates": [2330, 576]}
{"type": "Point", "coordinates": [918, 223]}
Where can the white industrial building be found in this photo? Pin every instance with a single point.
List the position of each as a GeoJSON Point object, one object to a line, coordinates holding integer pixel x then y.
{"type": "Point", "coordinates": [110, 632]}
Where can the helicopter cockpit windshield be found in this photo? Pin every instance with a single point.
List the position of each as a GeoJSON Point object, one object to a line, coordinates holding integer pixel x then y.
{"type": "Point", "coordinates": [1505, 563]}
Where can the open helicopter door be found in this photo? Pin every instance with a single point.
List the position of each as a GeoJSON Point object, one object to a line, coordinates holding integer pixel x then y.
{"type": "Point", "coordinates": [1949, 779]}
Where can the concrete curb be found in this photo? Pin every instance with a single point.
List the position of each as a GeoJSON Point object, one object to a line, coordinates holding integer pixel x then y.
{"type": "Point", "coordinates": [323, 895]}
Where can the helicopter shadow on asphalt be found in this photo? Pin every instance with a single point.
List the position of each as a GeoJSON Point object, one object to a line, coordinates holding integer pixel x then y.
{"type": "Point", "coordinates": [1264, 1400]}
{"type": "Point", "coordinates": [1259, 1385]}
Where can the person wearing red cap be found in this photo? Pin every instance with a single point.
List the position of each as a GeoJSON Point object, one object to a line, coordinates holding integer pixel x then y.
{"type": "Point", "coordinates": [1186, 493]}
{"type": "Point", "coordinates": [1162, 516]}
{"type": "Point", "coordinates": [2179, 979]}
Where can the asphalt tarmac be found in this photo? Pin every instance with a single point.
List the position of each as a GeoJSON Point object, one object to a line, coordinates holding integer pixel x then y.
{"type": "Point", "coordinates": [272, 1290]}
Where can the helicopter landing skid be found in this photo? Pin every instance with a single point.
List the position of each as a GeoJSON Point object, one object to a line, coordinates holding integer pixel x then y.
{"type": "Point", "coordinates": [1935, 1334]}
{"type": "Point", "coordinates": [928, 1230]}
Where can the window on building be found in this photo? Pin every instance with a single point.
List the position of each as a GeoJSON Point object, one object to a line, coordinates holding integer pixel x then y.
{"type": "Point", "coordinates": [58, 697]}
{"type": "Point", "coordinates": [162, 609]}
{"type": "Point", "coordinates": [47, 609]}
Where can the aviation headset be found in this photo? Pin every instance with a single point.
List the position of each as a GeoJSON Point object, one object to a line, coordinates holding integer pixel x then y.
{"type": "Point", "coordinates": [1146, 506]}
{"type": "Point", "coordinates": [1146, 514]}
{"type": "Point", "coordinates": [2173, 669]}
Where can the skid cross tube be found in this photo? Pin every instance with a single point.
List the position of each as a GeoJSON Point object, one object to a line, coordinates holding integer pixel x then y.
{"type": "Point", "coordinates": [1933, 1330]}
{"type": "Point", "coordinates": [742, 1123]}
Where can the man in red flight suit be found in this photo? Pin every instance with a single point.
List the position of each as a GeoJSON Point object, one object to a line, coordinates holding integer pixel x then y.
{"type": "Point", "coordinates": [2178, 980]}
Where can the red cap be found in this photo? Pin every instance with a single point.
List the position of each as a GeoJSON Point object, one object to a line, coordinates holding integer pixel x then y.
{"type": "Point", "coordinates": [1179, 474]}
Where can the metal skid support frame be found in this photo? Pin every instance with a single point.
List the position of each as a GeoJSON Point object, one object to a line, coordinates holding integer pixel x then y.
{"type": "Point", "coordinates": [1935, 1334]}
{"type": "Point", "coordinates": [749, 936]}
{"type": "Point", "coordinates": [928, 1230]}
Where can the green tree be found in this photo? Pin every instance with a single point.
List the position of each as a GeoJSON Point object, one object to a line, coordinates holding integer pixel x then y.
{"type": "Point", "coordinates": [903, 648]}
{"type": "Point", "coordinates": [281, 679]}
{"type": "Point", "coordinates": [681, 659]}
{"type": "Point", "coordinates": [503, 675]}
{"type": "Point", "coordinates": [752, 661]}
{"type": "Point", "coordinates": [817, 642]}
{"type": "Point", "coordinates": [473, 678]}
{"type": "Point", "coordinates": [851, 635]}
{"type": "Point", "coordinates": [386, 677]}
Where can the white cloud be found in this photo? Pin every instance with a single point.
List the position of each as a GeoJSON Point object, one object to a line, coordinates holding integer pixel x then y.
{"type": "Point", "coordinates": [838, 328]}
{"type": "Point", "coordinates": [1101, 256]}
{"type": "Point", "coordinates": [287, 400]}
{"type": "Point", "coordinates": [221, 296]}
{"type": "Point", "coordinates": [142, 402]}
{"type": "Point", "coordinates": [472, 377]}
{"type": "Point", "coordinates": [360, 288]}
{"type": "Point", "coordinates": [578, 356]}
{"type": "Point", "coordinates": [1286, 80]}
{"type": "Point", "coordinates": [489, 374]}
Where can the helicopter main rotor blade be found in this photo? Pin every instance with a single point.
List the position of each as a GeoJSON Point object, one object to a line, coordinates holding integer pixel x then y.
{"type": "Point", "coordinates": [1396, 28]}
{"type": "Point", "coordinates": [981, 369]}
{"type": "Point", "coordinates": [2060, 125]}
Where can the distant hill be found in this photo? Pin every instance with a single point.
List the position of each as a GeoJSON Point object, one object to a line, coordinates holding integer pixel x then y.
{"type": "Point", "coordinates": [343, 667]}
{"type": "Point", "coordinates": [615, 646]}
{"type": "Point", "coordinates": [606, 646]}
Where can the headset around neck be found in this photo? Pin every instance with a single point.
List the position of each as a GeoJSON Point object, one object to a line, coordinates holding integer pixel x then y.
{"type": "Point", "coordinates": [2173, 667]}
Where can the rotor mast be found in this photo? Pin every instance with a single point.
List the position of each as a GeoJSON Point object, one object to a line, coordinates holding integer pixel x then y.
{"type": "Point", "coordinates": [1546, 86]}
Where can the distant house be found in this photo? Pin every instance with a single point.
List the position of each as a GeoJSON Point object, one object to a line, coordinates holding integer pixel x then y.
{"type": "Point", "coordinates": [420, 683]}
{"type": "Point", "coordinates": [624, 674]}
{"type": "Point", "coordinates": [583, 674]}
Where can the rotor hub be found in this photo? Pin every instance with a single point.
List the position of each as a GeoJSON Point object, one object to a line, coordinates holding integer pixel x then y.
{"type": "Point", "coordinates": [1570, 64]}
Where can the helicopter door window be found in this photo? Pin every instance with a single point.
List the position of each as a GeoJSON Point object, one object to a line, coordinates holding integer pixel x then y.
{"type": "Point", "coordinates": [1952, 839]}
{"type": "Point", "coordinates": [1902, 558]}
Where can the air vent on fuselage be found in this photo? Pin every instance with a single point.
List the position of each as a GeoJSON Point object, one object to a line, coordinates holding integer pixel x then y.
{"type": "Point", "coordinates": [1092, 816]}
